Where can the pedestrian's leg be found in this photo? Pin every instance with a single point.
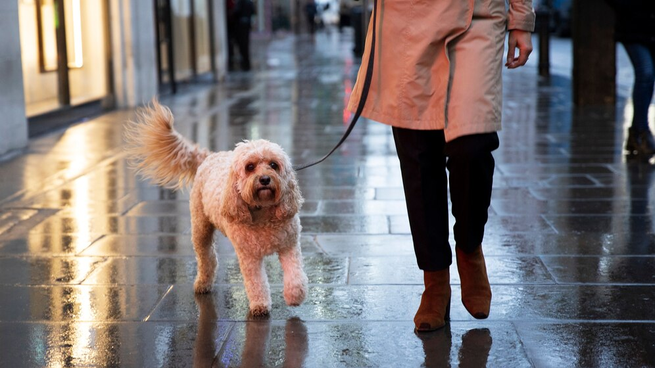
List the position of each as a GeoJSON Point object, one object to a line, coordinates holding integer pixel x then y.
{"type": "Point", "coordinates": [312, 24]}
{"type": "Point", "coordinates": [423, 167]}
{"type": "Point", "coordinates": [244, 45]}
{"type": "Point", "coordinates": [642, 93]}
{"type": "Point", "coordinates": [471, 168]}
{"type": "Point", "coordinates": [230, 47]}
{"type": "Point", "coordinates": [640, 139]}
{"type": "Point", "coordinates": [245, 65]}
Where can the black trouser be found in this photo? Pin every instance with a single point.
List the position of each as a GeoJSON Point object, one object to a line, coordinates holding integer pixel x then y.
{"type": "Point", "coordinates": [424, 157]}
{"type": "Point", "coordinates": [242, 38]}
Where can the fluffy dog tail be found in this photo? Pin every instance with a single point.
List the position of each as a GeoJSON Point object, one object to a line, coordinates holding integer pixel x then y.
{"type": "Point", "coordinates": [158, 152]}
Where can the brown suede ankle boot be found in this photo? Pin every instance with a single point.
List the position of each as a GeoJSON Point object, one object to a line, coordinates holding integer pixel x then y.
{"type": "Point", "coordinates": [476, 292]}
{"type": "Point", "coordinates": [434, 310]}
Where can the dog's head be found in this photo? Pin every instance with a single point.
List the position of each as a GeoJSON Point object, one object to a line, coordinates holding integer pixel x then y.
{"type": "Point", "coordinates": [262, 178]}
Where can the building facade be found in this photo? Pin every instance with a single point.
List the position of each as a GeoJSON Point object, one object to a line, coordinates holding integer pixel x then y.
{"type": "Point", "coordinates": [60, 56]}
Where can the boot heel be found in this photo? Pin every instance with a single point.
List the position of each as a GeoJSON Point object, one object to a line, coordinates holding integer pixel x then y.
{"type": "Point", "coordinates": [434, 310]}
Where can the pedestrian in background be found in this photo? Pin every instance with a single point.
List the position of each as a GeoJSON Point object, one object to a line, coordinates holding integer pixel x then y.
{"type": "Point", "coordinates": [310, 13]}
{"type": "Point", "coordinates": [635, 29]}
{"type": "Point", "coordinates": [437, 82]}
{"type": "Point", "coordinates": [239, 21]}
{"type": "Point", "coordinates": [231, 32]}
{"type": "Point", "coordinates": [345, 8]}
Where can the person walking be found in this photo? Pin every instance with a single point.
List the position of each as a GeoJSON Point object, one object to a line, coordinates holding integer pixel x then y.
{"type": "Point", "coordinates": [241, 15]}
{"type": "Point", "coordinates": [231, 32]}
{"type": "Point", "coordinates": [635, 29]}
{"type": "Point", "coordinates": [437, 82]}
{"type": "Point", "coordinates": [345, 8]}
{"type": "Point", "coordinates": [310, 14]}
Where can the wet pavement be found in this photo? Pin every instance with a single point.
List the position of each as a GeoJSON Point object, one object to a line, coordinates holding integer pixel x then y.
{"type": "Point", "coordinates": [97, 266]}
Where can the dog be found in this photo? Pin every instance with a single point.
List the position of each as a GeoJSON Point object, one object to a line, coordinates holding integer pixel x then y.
{"type": "Point", "coordinates": [250, 194]}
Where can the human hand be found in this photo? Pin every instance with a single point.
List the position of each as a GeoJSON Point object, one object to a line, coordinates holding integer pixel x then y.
{"type": "Point", "coordinates": [521, 40]}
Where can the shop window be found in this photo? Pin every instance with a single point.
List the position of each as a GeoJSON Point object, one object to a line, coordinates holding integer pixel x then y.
{"type": "Point", "coordinates": [48, 18]}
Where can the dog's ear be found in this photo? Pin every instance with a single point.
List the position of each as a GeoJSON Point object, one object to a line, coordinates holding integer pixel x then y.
{"type": "Point", "coordinates": [233, 207]}
{"type": "Point", "coordinates": [291, 201]}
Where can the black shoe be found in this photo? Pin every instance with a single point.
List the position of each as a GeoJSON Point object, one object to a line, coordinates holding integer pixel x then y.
{"type": "Point", "coordinates": [631, 142]}
{"type": "Point", "coordinates": [640, 143]}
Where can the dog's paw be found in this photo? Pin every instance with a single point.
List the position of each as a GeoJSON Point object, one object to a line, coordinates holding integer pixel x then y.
{"type": "Point", "coordinates": [259, 311]}
{"type": "Point", "coordinates": [202, 287]}
{"type": "Point", "coordinates": [294, 295]}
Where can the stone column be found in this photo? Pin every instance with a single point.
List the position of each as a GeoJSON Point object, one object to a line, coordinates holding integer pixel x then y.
{"type": "Point", "coordinates": [594, 54]}
{"type": "Point", "coordinates": [133, 42]}
{"type": "Point", "coordinates": [13, 124]}
{"type": "Point", "coordinates": [220, 38]}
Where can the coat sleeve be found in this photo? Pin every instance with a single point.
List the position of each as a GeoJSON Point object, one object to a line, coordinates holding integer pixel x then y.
{"type": "Point", "coordinates": [521, 15]}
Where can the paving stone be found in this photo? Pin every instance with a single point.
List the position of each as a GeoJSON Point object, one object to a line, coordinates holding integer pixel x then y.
{"type": "Point", "coordinates": [345, 224]}
{"type": "Point", "coordinates": [42, 244]}
{"type": "Point", "coordinates": [79, 303]}
{"type": "Point", "coordinates": [366, 245]}
{"type": "Point", "coordinates": [601, 270]}
{"type": "Point", "coordinates": [183, 270]}
{"type": "Point", "coordinates": [589, 344]}
{"type": "Point", "coordinates": [106, 344]}
{"type": "Point", "coordinates": [296, 343]}
{"type": "Point", "coordinates": [171, 245]}
{"type": "Point", "coordinates": [47, 270]}
{"type": "Point", "coordinates": [60, 225]}
{"type": "Point", "coordinates": [395, 270]}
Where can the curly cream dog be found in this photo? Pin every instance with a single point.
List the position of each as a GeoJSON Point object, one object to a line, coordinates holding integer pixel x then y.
{"type": "Point", "coordinates": [250, 194]}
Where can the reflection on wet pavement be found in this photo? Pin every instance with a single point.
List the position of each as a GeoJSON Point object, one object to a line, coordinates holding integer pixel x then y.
{"type": "Point", "coordinates": [97, 266]}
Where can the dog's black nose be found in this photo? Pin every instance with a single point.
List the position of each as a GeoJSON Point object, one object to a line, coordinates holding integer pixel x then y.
{"type": "Point", "coordinates": [265, 180]}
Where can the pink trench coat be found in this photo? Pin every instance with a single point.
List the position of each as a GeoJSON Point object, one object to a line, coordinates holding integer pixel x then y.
{"type": "Point", "coordinates": [438, 63]}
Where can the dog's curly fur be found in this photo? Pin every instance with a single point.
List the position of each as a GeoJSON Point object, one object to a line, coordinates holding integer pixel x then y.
{"type": "Point", "coordinates": [250, 194]}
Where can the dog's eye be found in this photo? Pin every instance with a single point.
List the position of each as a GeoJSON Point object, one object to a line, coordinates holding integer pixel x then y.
{"type": "Point", "coordinates": [274, 166]}
{"type": "Point", "coordinates": [250, 167]}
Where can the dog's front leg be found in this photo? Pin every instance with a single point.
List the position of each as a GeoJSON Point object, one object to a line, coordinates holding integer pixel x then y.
{"type": "Point", "coordinates": [295, 280]}
{"type": "Point", "coordinates": [256, 283]}
{"type": "Point", "coordinates": [202, 232]}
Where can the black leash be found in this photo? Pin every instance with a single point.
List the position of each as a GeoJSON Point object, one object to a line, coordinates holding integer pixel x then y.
{"type": "Point", "coordinates": [362, 99]}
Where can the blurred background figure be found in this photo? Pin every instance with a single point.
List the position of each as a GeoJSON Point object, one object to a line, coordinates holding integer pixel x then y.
{"type": "Point", "coordinates": [280, 19]}
{"type": "Point", "coordinates": [328, 13]}
{"type": "Point", "coordinates": [345, 7]}
{"type": "Point", "coordinates": [231, 32]}
{"type": "Point", "coordinates": [635, 29]}
{"type": "Point", "coordinates": [310, 13]}
{"type": "Point", "coordinates": [239, 14]}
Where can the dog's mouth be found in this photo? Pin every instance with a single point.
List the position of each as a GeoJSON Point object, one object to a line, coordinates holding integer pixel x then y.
{"type": "Point", "coordinates": [265, 193]}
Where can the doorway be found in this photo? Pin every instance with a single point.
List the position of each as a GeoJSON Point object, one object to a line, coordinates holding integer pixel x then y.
{"type": "Point", "coordinates": [185, 43]}
{"type": "Point", "coordinates": [65, 54]}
